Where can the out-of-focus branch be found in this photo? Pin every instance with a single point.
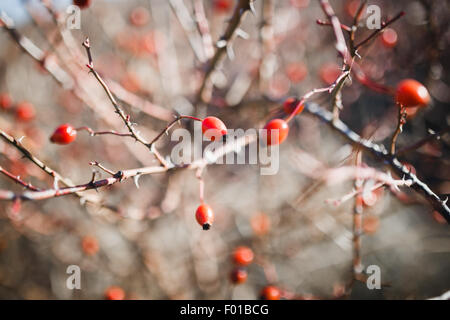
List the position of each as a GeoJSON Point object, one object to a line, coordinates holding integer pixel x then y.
{"type": "Point", "coordinates": [188, 25]}
{"type": "Point", "coordinates": [203, 28]}
{"type": "Point", "coordinates": [125, 118]}
{"type": "Point", "coordinates": [35, 52]}
{"type": "Point", "coordinates": [224, 44]}
{"type": "Point", "coordinates": [433, 136]}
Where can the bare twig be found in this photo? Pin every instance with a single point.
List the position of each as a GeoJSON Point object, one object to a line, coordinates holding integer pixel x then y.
{"type": "Point", "coordinates": [433, 136]}
{"type": "Point", "coordinates": [377, 31]}
{"type": "Point", "coordinates": [17, 179]}
{"type": "Point", "coordinates": [401, 121]}
{"type": "Point", "coordinates": [126, 119]}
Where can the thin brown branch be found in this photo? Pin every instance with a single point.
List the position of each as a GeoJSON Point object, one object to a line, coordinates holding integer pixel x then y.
{"type": "Point", "coordinates": [401, 121]}
{"type": "Point", "coordinates": [418, 144]}
{"type": "Point", "coordinates": [18, 180]}
{"type": "Point", "coordinates": [125, 118]}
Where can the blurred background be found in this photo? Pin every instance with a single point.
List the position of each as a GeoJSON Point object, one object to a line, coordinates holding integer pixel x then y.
{"type": "Point", "coordinates": [145, 240]}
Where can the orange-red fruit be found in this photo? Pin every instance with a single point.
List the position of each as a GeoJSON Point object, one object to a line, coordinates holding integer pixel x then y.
{"type": "Point", "coordinates": [243, 256]}
{"type": "Point", "coordinates": [370, 224]}
{"type": "Point", "coordinates": [213, 128]}
{"type": "Point", "coordinates": [276, 125]}
{"type": "Point", "coordinates": [5, 101]}
{"type": "Point", "coordinates": [411, 93]}
{"type": "Point", "coordinates": [83, 4]}
{"type": "Point", "coordinates": [238, 275]}
{"type": "Point", "coordinates": [296, 72]}
{"type": "Point", "coordinates": [222, 5]}
{"type": "Point", "coordinates": [64, 134]}
{"type": "Point", "coordinates": [114, 293]}
{"type": "Point", "coordinates": [270, 293]}
{"type": "Point", "coordinates": [25, 111]}
{"type": "Point", "coordinates": [290, 104]}
{"type": "Point", "coordinates": [260, 224]}
{"type": "Point", "coordinates": [329, 72]}
{"type": "Point", "coordinates": [204, 216]}
{"type": "Point", "coordinates": [89, 245]}
{"type": "Point", "coordinates": [389, 38]}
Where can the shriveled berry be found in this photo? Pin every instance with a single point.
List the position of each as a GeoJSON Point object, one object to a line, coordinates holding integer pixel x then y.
{"type": "Point", "coordinates": [270, 293]}
{"type": "Point", "coordinates": [83, 4]}
{"type": "Point", "coordinates": [290, 104]}
{"type": "Point", "coordinates": [243, 256]}
{"type": "Point", "coordinates": [213, 128]}
{"type": "Point", "coordinates": [25, 111]}
{"type": "Point", "coordinates": [114, 293]}
{"type": "Point", "coordinates": [204, 216]}
{"type": "Point", "coordinates": [411, 93]}
{"type": "Point", "coordinates": [64, 134]}
{"type": "Point", "coordinates": [276, 125]}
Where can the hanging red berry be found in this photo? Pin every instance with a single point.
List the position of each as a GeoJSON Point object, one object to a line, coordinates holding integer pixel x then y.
{"type": "Point", "coordinates": [83, 4]}
{"type": "Point", "coordinates": [25, 111]}
{"type": "Point", "coordinates": [270, 293]}
{"type": "Point", "coordinates": [64, 134]}
{"type": "Point", "coordinates": [290, 104]}
{"type": "Point", "coordinates": [411, 93]}
{"type": "Point", "coordinates": [243, 256]}
{"type": "Point", "coordinates": [204, 216]}
{"type": "Point", "coordinates": [114, 293]}
{"type": "Point", "coordinates": [276, 125]}
{"type": "Point", "coordinates": [213, 128]}
{"type": "Point", "coordinates": [238, 275]}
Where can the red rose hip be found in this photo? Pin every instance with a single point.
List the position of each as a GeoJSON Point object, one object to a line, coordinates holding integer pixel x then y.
{"type": "Point", "coordinates": [243, 256]}
{"type": "Point", "coordinates": [276, 125]}
{"type": "Point", "coordinates": [270, 293]}
{"type": "Point", "coordinates": [25, 111]}
{"type": "Point", "coordinates": [411, 93]}
{"type": "Point", "coordinates": [204, 216]}
{"type": "Point", "coordinates": [64, 134]}
{"type": "Point", "coordinates": [213, 128]}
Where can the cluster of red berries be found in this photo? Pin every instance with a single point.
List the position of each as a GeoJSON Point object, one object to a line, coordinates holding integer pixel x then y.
{"type": "Point", "coordinates": [24, 111]}
{"type": "Point", "coordinates": [242, 257]}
